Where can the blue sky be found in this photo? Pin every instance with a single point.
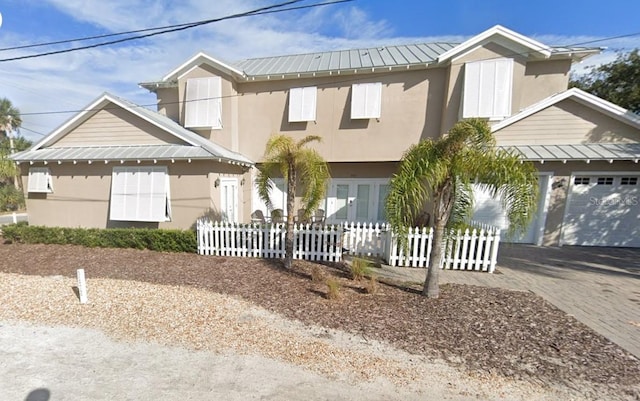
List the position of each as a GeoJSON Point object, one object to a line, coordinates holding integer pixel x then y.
{"type": "Point", "coordinates": [70, 81]}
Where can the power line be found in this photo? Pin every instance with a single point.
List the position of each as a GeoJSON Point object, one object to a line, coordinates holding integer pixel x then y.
{"type": "Point", "coordinates": [329, 84]}
{"type": "Point", "coordinates": [276, 8]}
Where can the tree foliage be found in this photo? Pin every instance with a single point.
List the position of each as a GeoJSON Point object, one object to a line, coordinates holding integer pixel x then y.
{"type": "Point", "coordinates": [617, 81]}
{"type": "Point", "coordinates": [443, 171]}
{"type": "Point", "coordinates": [284, 157]}
{"type": "Point", "coordinates": [10, 119]}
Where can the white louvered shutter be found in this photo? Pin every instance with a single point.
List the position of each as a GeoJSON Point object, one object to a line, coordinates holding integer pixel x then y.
{"type": "Point", "coordinates": [302, 104]}
{"type": "Point", "coordinates": [487, 88]}
{"type": "Point", "coordinates": [203, 103]}
{"type": "Point", "coordinates": [366, 100]}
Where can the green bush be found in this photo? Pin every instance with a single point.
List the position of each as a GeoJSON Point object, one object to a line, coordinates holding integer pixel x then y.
{"type": "Point", "coordinates": [11, 198]}
{"type": "Point", "coordinates": [138, 238]}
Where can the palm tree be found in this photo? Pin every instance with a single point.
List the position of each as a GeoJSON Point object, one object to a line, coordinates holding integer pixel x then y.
{"type": "Point", "coordinates": [287, 158]}
{"type": "Point", "coordinates": [10, 120]}
{"type": "Point", "coordinates": [443, 171]}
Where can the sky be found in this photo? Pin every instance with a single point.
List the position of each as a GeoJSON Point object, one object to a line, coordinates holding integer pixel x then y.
{"type": "Point", "coordinates": [70, 81]}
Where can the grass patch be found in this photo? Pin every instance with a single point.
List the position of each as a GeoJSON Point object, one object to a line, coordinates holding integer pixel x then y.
{"type": "Point", "coordinates": [333, 288]}
{"type": "Point", "coordinates": [359, 269]}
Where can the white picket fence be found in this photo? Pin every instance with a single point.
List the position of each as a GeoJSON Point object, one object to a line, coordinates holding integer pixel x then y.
{"type": "Point", "coordinates": [475, 249]}
{"type": "Point", "coordinates": [267, 240]}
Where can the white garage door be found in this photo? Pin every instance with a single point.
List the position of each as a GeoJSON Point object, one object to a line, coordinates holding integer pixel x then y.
{"type": "Point", "coordinates": [603, 210]}
{"type": "Point", "coordinates": [488, 210]}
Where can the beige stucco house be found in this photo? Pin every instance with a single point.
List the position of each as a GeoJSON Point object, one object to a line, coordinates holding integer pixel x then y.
{"type": "Point", "coordinates": [368, 105]}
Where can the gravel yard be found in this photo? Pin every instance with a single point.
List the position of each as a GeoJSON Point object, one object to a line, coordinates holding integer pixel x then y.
{"type": "Point", "coordinates": [473, 342]}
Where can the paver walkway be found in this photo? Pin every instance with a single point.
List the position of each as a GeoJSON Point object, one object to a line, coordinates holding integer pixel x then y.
{"type": "Point", "coordinates": [598, 286]}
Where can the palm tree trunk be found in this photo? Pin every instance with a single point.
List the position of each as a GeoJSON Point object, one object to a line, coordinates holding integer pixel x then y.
{"type": "Point", "coordinates": [431, 287]}
{"type": "Point", "coordinates": [442, 210]}
{"type": "Point", "coordinates": [288, 237]}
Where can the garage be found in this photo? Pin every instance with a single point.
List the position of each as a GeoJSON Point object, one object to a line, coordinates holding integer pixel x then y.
{"type": "Point", "coordinates": [488, 210]}
{"type": "Point", "coordinates": [603, 210]}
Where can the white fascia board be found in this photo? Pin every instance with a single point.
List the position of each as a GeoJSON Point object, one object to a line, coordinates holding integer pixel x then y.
{"type": "Point", "coordinates": [581, 96]}
{"type": "Point", "coordinates": [198, 59]}
{"type": "Point", "coordinates": [508, 34]}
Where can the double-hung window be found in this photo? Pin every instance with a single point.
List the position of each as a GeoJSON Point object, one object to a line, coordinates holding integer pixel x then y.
{"type": "Point", "coordinates": [487, 88]}
{"type": "Point", "coordinates": [366, 100]}
{"type": "Point", "coordinates": [302, 104]}
{"type": "Point", "coordinates": [140, 194]}
{"type": "Point", "coordinates": [40, 180]}
{"type": "Point", "coordinates": [203, 103]}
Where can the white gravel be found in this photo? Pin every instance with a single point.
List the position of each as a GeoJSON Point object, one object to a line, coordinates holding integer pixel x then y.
{"type": "Point", "coordinates": [142, 341]}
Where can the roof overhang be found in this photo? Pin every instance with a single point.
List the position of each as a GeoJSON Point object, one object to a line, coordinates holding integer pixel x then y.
{"type": "Point", "coordinates": [608, 152]}
{"type": "Point", "coordinates": [120, 154]}
{"type": "Point", "coordinates": [504, 35]}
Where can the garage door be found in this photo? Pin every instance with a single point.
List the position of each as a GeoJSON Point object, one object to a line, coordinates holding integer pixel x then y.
{"type": "Point", "coordinates": [488, 210]}
{"type": "Point", "coordinates": [603, 210]}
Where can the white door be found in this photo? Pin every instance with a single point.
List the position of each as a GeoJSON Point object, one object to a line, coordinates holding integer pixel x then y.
{"type": "Point", "coordinates": [229, 199]}
{"type": "Point", "coordinates": [489, 210]}
{"type": "Point", "coordinates": [603, 210]}
{"type": "Point", "coordinates": [356, 200]}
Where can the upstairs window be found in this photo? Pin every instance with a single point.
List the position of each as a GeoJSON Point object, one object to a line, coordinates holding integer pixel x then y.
{"type": "Point", "coordinates": [40, 180]}
{"type": "Point", "coordinates": [203, 103]}
{"type": "Point", "coordinates": [487, 88]}
{"type": "Point", "coordinates": [302, 104]}
{"type": "Point", "coordinates": [366, 100]}
{"type": "Point", "coordinates": [140, 194]}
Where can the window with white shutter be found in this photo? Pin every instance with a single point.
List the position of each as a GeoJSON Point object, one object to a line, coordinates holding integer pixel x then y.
{"type": "Point", "coordinates": [140, 194]}
{"type": "Point", "coordinates": [366, 100]}
{"type": "Point", "coordinates": [487, 88]}
{"type": "Point", "coordinates": [203, 103]}
{"type": "Point", "coordinates": [302, 104]}
{"type": "Point", "coordinates": [40, 180]}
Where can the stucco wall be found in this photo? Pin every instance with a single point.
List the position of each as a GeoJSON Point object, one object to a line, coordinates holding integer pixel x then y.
{"type": "Point", "coordinates": [81, 194]}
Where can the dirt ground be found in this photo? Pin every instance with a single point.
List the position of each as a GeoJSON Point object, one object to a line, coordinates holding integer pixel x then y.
{"type": "Point", "coordinates": [472, 343]}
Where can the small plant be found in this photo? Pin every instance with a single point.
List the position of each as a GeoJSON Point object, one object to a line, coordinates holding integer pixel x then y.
{"type": "Point", "coordinates": [333, 288]}
{"type": "Point", "coordinates": [371, 286]}
{"type": "Point", "coordinates": [359, 269]}
{"type": "Point", "coordinates": [317, 275]}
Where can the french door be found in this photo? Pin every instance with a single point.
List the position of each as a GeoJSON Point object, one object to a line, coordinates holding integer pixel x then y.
{"type": "Point", "coordinates": [357, 200]}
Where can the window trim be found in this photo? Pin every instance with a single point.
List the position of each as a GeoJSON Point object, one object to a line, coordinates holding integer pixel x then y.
{"type": "Point", "coordinates": [39, 183]}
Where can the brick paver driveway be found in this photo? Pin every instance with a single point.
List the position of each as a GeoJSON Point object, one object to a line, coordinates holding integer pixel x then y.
{"type": "Point", "coordinates": [598, 286]}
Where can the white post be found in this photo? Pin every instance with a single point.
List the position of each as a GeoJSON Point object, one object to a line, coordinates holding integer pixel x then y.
{"type": "Point", "coordinates": [82, 286]}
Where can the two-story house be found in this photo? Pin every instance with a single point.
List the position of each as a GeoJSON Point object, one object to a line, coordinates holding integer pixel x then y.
{"type": "Point", "coordinates": [119, 164]}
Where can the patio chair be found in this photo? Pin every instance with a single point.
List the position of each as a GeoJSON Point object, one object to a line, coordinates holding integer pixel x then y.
{"type": "Point", "coordinates": [258, 217]}
{"type": "Point", "coordinates": [277, 216]}
{"type": "Point", "coordinates": [301, 219]}
{"type": "Point", "coordinates": [318, 217]}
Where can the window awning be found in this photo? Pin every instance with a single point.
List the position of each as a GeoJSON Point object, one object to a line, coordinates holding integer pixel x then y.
{"type": "Point", "coordinates": [582, 152]}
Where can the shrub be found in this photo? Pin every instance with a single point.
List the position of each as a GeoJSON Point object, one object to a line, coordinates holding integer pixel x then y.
{"type": "Point", "coordinates": [138, 238]}
{"type": "Point", "coordinates": [333, 288]}
{"type": "Point", "coordinates": [359, 269]}
{"type": "Point", "coordinates": [11, 198]}
{"type": "Point", "coordinates": [371, 286]}
{"type": "Point", "coordinates": [317, 275]}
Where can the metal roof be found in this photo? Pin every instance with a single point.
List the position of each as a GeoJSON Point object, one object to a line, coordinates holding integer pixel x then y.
{"type": "Point", "coordinates": [355, 59]}
{"type": "Point", "coordinates": [583, 152]}
{"type": "Point", "coordinates": [110, 153]}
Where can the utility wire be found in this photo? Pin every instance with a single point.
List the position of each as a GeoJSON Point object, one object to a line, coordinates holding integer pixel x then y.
{"type": "Point", "coordinates": [276, 8]}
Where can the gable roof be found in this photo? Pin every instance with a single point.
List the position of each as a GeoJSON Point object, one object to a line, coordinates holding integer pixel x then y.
{"type": "Point", "coordinates": [365, 60]}
{"type": "Point", "coordinates": [40, 150]}
{"type": "Point", "coordinates": [582, 97]}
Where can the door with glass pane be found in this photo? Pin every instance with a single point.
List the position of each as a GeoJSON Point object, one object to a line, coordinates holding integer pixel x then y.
{"type": "Point", "coordinates": [356, 200]}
